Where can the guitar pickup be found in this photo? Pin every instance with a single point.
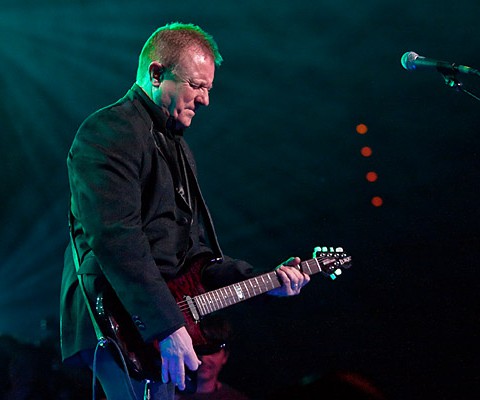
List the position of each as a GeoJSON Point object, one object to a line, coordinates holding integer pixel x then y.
{"type": "Point", "coordinates": [193, 308]}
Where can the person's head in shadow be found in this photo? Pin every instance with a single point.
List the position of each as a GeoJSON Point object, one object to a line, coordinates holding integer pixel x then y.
{"type": "Point", "coordinates": [214, 354]}
{"type": "Point", "coordinates": [219, 333]}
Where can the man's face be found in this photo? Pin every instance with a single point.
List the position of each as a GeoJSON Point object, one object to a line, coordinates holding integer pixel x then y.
{"type": "Point", "coordinates": [211, 365]}
{"type": "Point", "coordinates": [186, 88]}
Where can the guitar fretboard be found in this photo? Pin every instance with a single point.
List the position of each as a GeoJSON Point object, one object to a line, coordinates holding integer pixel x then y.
{"type": "Point", "coordinates": [215, 300]}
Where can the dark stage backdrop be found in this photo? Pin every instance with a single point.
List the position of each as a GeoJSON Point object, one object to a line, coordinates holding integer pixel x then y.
{"type": "Point", "coordinates": [281, 168]}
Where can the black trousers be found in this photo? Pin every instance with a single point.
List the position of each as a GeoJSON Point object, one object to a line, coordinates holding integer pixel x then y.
{"type": "Point", "coordinates": [117, 385]}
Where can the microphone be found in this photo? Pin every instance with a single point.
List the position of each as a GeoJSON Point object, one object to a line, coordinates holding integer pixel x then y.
{"type": "Point", "coordinates": [411, 61]}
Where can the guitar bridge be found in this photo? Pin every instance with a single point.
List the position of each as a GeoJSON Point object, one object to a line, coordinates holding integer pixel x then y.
{"type": "Point", "coordinates": [193, 308]}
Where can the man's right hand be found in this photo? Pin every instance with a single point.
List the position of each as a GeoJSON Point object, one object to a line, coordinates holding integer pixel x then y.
{"type": "Point", "coordinates": [177, 352]}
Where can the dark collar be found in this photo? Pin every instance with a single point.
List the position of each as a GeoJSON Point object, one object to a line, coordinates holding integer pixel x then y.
{"type": "Point", "coordinates": [160, 120]}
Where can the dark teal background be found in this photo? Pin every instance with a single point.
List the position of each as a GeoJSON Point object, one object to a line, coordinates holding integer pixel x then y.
{"type": "Point", "coordinates": [280, 167]}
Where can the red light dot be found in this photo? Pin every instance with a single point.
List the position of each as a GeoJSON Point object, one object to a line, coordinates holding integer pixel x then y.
{"type": "Point", "coordinates": [366, 151]}
{"type": "Point", "coordinates": [362, 129]}
{"type": "Point", "coordinates": [371, 176]}
{"type": "Point", "coordinates": [377, 201]}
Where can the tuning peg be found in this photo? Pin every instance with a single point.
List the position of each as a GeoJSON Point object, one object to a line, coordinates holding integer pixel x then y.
{"type": "Point", "coordinates": [337, 272]}
{"type": "Point", "coordinates": [322, 249]}
{"type": "Point", "coordinates": [326, 249]}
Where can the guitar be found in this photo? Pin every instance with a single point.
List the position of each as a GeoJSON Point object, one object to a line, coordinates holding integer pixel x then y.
{"type": "Point", "coordinates": [142, 359]}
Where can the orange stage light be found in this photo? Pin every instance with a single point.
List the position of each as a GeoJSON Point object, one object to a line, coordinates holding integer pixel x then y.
{"type": "Point", "coordinates": [377, 201]}
{"type": "Point", "coordinates": [362, 129]}
{"type": "Point", "coordinates": [366, 151]}
{"type": "Point", "coordinates": [371, 176]}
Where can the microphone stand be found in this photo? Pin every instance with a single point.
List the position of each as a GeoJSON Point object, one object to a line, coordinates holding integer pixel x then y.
{"type": "Point", "coordinates": [451, 80]}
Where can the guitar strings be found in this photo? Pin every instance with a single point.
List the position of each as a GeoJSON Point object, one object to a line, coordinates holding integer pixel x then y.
{"type": "Point", "coordinates": [218, 296]}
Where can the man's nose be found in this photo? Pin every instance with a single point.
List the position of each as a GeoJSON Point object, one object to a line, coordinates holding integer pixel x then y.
{"type": "Point", "coordinates": [203, 98]}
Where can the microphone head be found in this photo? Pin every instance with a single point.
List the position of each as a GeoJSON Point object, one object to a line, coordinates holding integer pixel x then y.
{"type": "Point", "coordinates": [408, 60]}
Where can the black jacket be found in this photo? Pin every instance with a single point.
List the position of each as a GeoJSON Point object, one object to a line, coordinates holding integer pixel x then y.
{"type": "Point", "coordinates": [132, 222]}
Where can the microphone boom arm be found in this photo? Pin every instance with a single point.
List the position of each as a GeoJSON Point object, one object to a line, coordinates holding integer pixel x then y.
{"type": "Point", "coordinates": [452, 81]}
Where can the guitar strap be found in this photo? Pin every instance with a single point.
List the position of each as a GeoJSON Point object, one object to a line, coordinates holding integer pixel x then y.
{"type": "Point", "coordinates": [102, 340]}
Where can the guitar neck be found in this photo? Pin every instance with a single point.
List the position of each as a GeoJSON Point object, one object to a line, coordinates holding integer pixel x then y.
{"type": "Point", "coordinates": [218, 299]}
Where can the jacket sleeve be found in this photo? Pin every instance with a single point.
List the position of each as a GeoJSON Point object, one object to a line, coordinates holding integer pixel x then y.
{"type": "Point", "coordinates": [104, 166]}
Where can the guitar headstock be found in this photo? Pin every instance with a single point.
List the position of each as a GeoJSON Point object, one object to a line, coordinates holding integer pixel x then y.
{"type": "Point", "coordinates": [332, 260]}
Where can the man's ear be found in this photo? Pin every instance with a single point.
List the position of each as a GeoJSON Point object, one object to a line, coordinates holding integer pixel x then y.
{"type": "Point", "coordinates": [156, 72]}
{"type": "Point", "coordinates": [226, 354]}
